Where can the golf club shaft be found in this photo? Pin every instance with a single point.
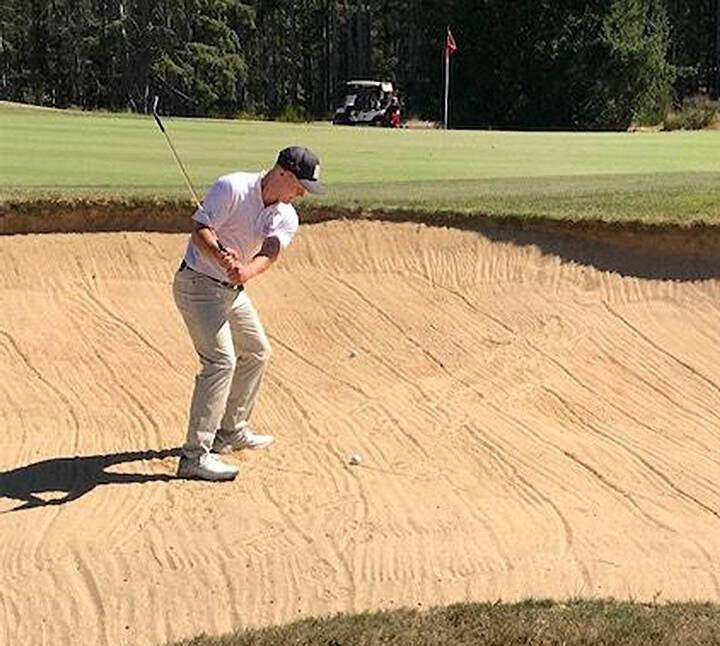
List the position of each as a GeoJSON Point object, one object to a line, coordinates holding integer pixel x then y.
{"type": "Point", "coordinates": [180, 164]}
{"type": "Point", "coordinates": [174, 152]}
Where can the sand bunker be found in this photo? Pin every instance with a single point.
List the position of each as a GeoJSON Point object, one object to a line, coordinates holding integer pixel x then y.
{"type": "Point", "coordinates": [530, 426]}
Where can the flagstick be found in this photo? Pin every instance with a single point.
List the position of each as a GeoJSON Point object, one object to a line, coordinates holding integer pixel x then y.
{"type": "Point", "coordinates": [447, 86]}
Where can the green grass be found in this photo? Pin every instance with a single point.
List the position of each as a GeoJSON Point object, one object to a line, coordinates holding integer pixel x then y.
{"type": "Point", "coordinates": [649, 177]}
{"type": "Point", "coordinates": [540, 623]}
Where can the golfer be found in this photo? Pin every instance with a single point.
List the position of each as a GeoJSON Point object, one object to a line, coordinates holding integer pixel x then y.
{"type": "Point", "coordinates": [245, 220]}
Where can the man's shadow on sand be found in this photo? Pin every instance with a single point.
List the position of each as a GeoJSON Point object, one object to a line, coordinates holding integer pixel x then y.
{"type": "Point", "coordinates": [74, 476]}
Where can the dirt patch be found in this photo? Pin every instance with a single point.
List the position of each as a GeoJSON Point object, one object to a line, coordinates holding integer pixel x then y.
{"type": "Point", "coordinates": [81, 216]}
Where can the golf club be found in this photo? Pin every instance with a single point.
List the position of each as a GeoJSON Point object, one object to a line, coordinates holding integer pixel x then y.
{"type": "Point", "coordinates": [179, 163]}
{"type": "Point", "coordinates": [174, 152]}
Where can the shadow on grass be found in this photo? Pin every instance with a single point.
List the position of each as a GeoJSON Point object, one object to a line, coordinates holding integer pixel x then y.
{"type": "Point", "coordinates": [75, 477]}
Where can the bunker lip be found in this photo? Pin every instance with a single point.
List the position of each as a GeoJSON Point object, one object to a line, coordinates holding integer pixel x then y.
{"type": "Point", "coordinates": [660, 251]}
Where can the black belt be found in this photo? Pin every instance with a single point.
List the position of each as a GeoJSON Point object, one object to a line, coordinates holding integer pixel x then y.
{"type": "Point", "coordinates": [238, 288]}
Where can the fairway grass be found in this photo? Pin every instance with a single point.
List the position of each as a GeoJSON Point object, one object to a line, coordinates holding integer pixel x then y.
{"type": "Point", "coordinates": [614, 177]}
{"type": "Point", "coordinates": [540, 623]}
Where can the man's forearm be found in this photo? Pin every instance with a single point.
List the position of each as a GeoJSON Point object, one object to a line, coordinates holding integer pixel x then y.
{"type": "Point", "coordinates": [264, 258]}
{"type": "Point", "coordinates": [258, 265]}
{"type": "Point", "coordinates": [205, 239]}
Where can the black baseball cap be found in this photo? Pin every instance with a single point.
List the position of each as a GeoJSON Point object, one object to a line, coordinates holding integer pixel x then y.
{"type": "Point", "coordinates": [302, 163]}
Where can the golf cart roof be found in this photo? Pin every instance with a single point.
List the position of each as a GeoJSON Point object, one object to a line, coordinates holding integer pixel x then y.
{"type": "Point", "coordinates": [385, 86]}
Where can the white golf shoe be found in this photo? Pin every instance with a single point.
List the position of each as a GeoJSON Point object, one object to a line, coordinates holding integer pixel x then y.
{"type": "Point", "coordinates": [205, 467]}
{"type": "Point", "coordinates": [243, 438]}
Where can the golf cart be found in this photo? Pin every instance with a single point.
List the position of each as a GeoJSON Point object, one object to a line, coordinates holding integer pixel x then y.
{"type": "Point", "coordinates": [369, 102]}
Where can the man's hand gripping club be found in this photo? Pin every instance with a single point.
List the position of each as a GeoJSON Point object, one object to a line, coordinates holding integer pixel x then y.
{"type": "Point", "coordinates": [238, 273]}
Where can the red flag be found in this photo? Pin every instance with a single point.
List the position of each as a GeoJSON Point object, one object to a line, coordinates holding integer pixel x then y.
{"type": "Point", "coordinates": [450, 46]}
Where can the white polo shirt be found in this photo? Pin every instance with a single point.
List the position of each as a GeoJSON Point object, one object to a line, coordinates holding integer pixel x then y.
{"type": "Point", "coordinates": [233, 207]}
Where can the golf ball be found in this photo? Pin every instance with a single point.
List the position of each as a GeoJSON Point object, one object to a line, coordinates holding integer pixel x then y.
{"type": "Point", "coordinates": [355, 459]}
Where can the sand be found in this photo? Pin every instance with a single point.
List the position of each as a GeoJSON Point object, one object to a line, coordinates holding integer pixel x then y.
{"type": "Point", "coordinates": [536, 418]}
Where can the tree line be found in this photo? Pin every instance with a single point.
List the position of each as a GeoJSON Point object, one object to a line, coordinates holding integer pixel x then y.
{"type": "Point", "coordinates": [593, 64]}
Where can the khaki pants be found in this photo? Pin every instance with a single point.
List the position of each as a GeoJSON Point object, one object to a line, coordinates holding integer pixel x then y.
{"type": "Point", "coordinates": [233, 350]}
